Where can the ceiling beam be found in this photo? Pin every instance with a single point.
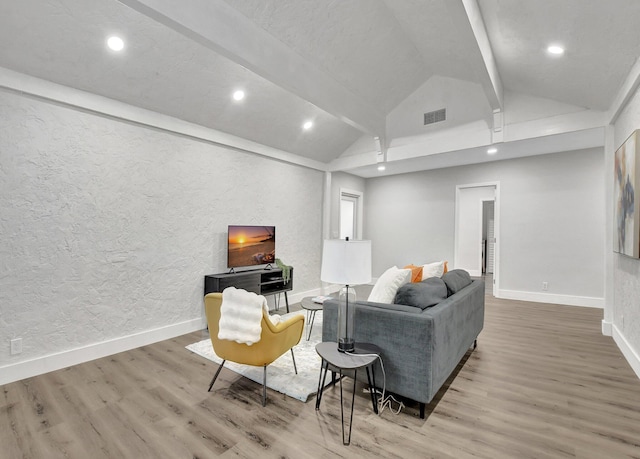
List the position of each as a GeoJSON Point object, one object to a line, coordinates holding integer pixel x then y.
{"type": "Point", "coordinates": [219, 27]}
{"type": "Point", "coordinates": [626, 91]}
{"type": "Point", "coordinates": [467, 18]}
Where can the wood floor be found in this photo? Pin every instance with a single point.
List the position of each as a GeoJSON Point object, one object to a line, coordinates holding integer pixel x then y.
{"type": "Point", "coordinates": [543, 383]}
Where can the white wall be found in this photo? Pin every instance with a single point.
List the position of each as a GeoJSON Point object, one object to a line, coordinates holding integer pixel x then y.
{"type": "Point", "coordinates": [107, 229]}
{"type": "Point", "coordinates": [552, 222]}
{"type": "Point", "coordinates": [626, 270]}
{"type": "Point", "coordinates": [465, 103]}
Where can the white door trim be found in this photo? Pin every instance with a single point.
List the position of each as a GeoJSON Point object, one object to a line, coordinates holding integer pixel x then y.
{"type": "Point", "coordinates": [496, 223]}
{"type": "Point", "coordinates": [359, 198]}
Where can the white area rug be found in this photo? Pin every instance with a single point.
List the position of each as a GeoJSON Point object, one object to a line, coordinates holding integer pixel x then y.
{"type": "Point", "coordinates": [280, 374]}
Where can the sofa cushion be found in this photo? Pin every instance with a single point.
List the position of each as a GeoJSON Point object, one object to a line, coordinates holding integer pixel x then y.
{"type": "Point", "coordinates": [433, 270]}
{"type": "Point", "coordinates": [423, 294]}
{"type": "Point", "coordinates": [384, 291]}
{"type": "Point", "coordinates": [456, 280]}
{"type": "Point", "coordinates": [416, 272]}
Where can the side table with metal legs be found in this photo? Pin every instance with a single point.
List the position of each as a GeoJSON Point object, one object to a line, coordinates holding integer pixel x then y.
{"type": "Point", "coordinates": [311, 307]}
{"type": "Point", "coordinates": [365, 356]}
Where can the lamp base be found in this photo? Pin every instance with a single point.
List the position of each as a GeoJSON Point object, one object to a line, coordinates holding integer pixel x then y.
{"type": "Point", "coordinates": [346, 345]}
{"type": "Point", "coordinates": [346, 319]}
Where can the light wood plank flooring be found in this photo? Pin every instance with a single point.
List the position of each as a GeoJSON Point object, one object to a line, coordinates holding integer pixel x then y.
{"type": "Point", "coordinates": [543, 383]}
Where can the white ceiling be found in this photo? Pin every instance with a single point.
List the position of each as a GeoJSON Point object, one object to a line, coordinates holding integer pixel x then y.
{"type": "Point", "coordinates": [346, 64]}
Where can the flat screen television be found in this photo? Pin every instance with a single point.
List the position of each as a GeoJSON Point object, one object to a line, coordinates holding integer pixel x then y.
{"type": "Point", "coordinates": [251, 245]}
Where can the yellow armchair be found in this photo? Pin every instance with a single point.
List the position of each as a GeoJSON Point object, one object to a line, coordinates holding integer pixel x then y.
{"type": "Point", "coordinates": [275, 340]}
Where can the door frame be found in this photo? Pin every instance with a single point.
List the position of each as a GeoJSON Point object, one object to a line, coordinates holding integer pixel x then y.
{"type": "Point", "coordinates": [358, 196]}
{"type": "Point", "coordinates": [496, 228]}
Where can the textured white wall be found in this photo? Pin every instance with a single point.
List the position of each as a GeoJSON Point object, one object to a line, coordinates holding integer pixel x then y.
{"type": "Point", "coordinates": [626, 273]}
{"type": "Point", "coordinates": [552, 220]}
{"type": "Point", "coordinates": [107, 228]}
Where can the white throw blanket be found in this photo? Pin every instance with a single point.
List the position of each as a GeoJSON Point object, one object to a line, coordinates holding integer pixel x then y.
{"type": "Point", "coordinates": [241, 316]}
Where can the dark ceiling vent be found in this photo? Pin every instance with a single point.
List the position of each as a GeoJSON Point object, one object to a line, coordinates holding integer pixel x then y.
{"type": "Point", "coordinates": [435, 116]}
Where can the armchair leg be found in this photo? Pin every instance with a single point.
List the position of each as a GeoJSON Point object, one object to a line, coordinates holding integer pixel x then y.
{"type": "Point", "coordinates": [264, 387]}
{"type": "Point", "coordinates": [294, 361]}
{"type": "Point", "coordinates": [216, 376]}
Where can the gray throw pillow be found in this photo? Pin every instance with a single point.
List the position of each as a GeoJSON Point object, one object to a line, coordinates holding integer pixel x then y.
{"type": "Point", "coordinates": [423, 294]}
{"type": "Point", "coordinates": [456, 280]}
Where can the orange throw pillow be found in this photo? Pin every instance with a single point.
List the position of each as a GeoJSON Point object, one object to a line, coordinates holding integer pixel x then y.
{"type": "Point", "coordinates": [416, 272]}
{"type": "Point", "coordinates": [445, 267]}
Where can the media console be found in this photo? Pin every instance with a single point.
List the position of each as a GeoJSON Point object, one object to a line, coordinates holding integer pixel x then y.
{"type": "Point", "coordinates": [260, 281]}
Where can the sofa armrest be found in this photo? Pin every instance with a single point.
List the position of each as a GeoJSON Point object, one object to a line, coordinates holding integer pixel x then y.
{"type": "Point", "coordinates": [457, 323]}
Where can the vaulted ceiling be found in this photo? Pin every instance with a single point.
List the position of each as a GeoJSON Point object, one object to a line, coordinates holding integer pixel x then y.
{"type": "Point", "coordinates": [359, 69]}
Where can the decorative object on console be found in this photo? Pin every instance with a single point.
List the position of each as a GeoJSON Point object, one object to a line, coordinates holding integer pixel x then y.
{"type": "Point", "coordinates": [626, 237]}
{"type": "Point", "coordinates": [286, 270]}
{"type": "Point", "coordinates": [347, 263]}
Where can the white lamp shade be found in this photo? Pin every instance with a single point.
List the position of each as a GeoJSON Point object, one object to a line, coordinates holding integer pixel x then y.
{"type": "Point", "coordinates": [346, 262]}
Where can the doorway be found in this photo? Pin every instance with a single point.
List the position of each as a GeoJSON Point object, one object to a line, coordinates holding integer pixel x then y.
{"type": "Point", "coordinates": [350, 214]}
{"type": "Point", "coordinates": [488, 236]}
{"type": "Point", "coordinates": [476, 248]}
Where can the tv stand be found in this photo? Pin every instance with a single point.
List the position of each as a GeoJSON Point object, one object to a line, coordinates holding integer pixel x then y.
{"type": "Point", "coordinates": [261, 281]}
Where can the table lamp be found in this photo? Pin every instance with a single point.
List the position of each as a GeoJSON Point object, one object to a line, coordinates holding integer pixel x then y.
{"type": "Point", "coordinates": [347, 263]}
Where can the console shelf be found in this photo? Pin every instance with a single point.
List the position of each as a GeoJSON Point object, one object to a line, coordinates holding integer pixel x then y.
{"type": "Point", "coordinates": [260, 281]}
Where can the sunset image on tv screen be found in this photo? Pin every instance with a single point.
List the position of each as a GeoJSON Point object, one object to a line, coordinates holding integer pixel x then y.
{"type": "Point", "coordinates": [251, 245]}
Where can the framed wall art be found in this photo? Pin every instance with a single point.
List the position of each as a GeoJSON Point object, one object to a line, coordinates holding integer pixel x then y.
{"type": "Point", "coordinates": [626, 227]}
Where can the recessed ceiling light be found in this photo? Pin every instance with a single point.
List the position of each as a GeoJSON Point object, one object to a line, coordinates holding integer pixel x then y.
{"type": "Point", "coordinates": [555, 49]}
{"type": "Point", "coordinates": [492, 151]}
{"type": "Point", "coordinates": [381, 167]}
{"type": "Point", "coordinates": [238, 95]}
{"type": "Point", "coordinates": [307, 125]}
{"type": "Point", "coordinates": [115, 43]}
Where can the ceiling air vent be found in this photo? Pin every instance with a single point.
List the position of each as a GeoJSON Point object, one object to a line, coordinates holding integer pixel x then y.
{"type": "Point", "coordinates": [435, 116]}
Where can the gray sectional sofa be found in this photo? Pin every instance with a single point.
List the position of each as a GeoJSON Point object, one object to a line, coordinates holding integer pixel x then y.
{"type": "Point", "coordinates": [421, 345]}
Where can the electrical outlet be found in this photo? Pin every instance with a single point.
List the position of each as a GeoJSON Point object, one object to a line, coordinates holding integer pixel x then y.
{"type": "Point", "coordinates": [16, 346]}
{"type": "Point", "coordinates": [545, 286]}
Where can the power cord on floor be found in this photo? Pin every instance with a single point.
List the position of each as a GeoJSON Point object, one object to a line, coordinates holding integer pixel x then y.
{"type": "Point", "coordinates": [383, 402]}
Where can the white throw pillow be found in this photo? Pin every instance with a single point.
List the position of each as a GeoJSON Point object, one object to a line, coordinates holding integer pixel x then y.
{"type": "Point", "coordinates": [433, 270]}
{"type": "Point", "coordinates": [388, 284]}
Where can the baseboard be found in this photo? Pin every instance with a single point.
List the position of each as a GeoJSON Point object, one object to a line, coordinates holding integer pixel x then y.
{"type": "Point", "coordinates": [52, 362]}
{"type": "Point", "coordinates": [297, 297]}
{"type": "Point", "coordinates": [607, 328]}
{"type": "Point", "coordinates": [570, 300]}
{"type": "Point", "coordinates": [273, 300]}
{"type": "Point", "coordinates": [629, 353]}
